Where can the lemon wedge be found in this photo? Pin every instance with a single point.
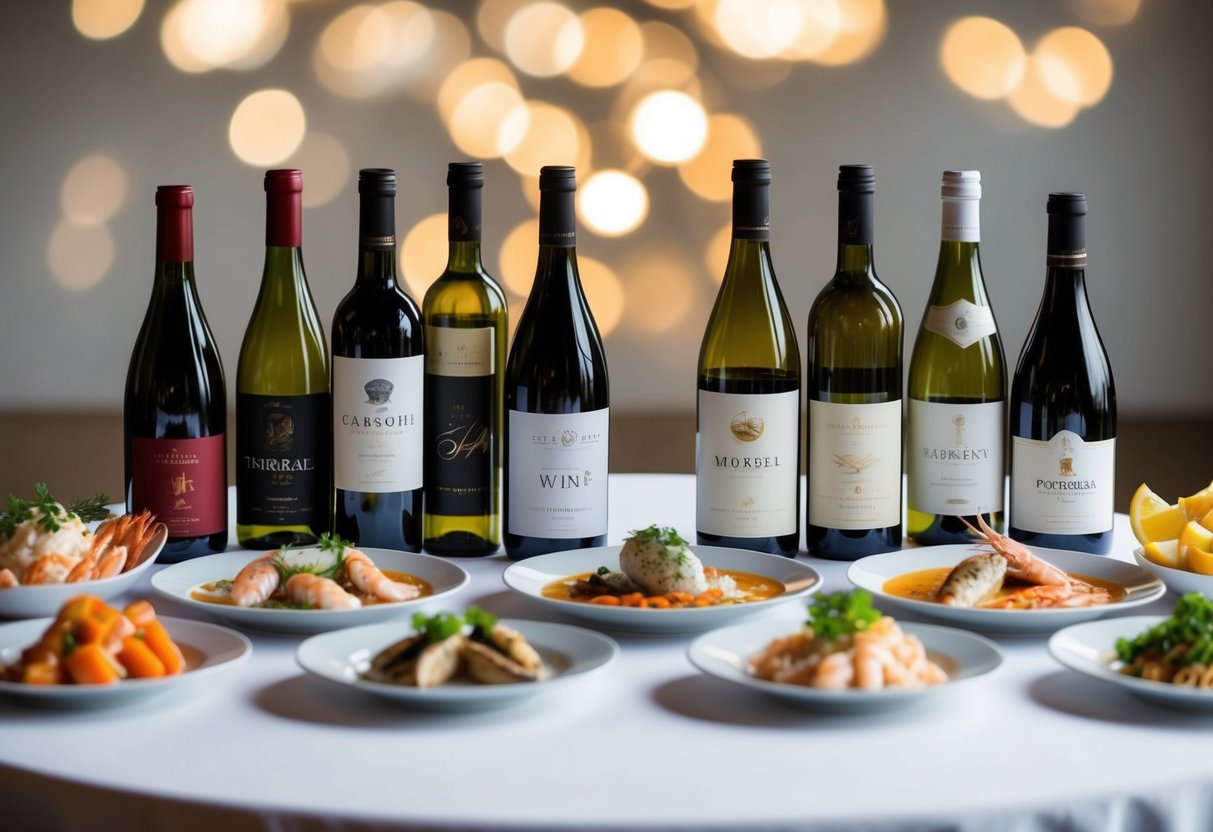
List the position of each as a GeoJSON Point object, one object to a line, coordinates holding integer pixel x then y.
{"type": "Point", "coordinates": [1194, 537]}
{"type": "Point", "coordinates": [1207, 520]}
{"type": "Point", "coordinates": [1163, 552]}
{"type": "Point", "coordinates": [1199, 504]}
{"type": "Point", "coordinates": [1152, 518]}
{"type": "Point", "coordinates": [1200, 561]}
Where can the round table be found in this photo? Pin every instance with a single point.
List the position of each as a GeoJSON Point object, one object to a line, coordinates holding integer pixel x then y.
{"type": "Point", "coordinates": [648, 744]}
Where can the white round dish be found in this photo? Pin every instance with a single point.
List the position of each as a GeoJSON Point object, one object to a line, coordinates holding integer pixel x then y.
{"type": "Point", "coordinates": [342, 656]}
{"type": "Point", "coordinates": [46, 599]}
{"type": "Point", "coordinates": [179, 580]}
{"type": "Point", "coordinates": [1179, 581]}
{"type": "Point", "coordinates": [531, 575]}
{"type": "Point", "coordinates": [872, 572]}
{"type": "Point", "coordinates": [1090, 649]}
{"type": "Point", "coordinates": [726, 653]}
{"type": "Point", "coordinates": [207, 648]}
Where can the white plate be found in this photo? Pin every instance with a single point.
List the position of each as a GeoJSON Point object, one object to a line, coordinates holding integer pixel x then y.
{"type": "Point", "coordinates": [179, 580]}
{"type": "Point", "coordinates": [342, 656]}
{"type": "Point", "coordinates": [47, 599]}
{"type": "Point", "coordinates": [872, 572]}
{"type": "Point", "coordinates": [531, 575]}
{"type": "Point", "coordinates": [726, 654]}
{"type": "Point", "coordinates": [207, 648]}
{"type": "Point", "coordinates": [1179, 581]}
{"type": "Point", "coordinates": [1090, 649]}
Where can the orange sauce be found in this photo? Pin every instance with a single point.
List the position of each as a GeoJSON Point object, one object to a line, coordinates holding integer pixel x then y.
{"type": "Point", "coordinates": [924, 585]}
{"type": "Point", "coordinates": [753, 587]}
{"type": "Point", "coordinates": [213, 593]}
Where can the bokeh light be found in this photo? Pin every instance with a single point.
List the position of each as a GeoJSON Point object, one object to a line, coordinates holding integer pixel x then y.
{"type": "Point", "coordinates": [423, 254]}
{"type": "Point", "coordinates": [716, 254]}
{"type": "Point", "coordinates": [861, 28]}
{"type": "Point", "coordinates": [670, 57]}
{"type": "Point", "coordinates": [760, 29]}
{"type": "Point", "coordinates": [517, 258]}
{"type": "Point", "coordinates": [612, 203]}
{"type": "Point", "coordinates": [661, 290]}
{"type": "Point", "coordinates": [544, 39]}
{"type": "Point", "coordinates": [490, 120]}
{"type": "Point", "coordinates": [1075, 65]}
{"type": "Point", "coordinates": [466, 77]}
{"type": "Point", "coordinates": [1036, 103]}
{"type": "Point", "coordinates": [983, 57]}
{"type": "Point", "coordinates": [267, 127]}
{"type": "Point", "coordinates": [105, 19]}
{"type": "Point", "coordinates": [671, 5]}
{"type": "Point", "coordinates": [450, 46]}
{"type": "Point", "coordinates": [820, 28]}
{"type": "Point", "coordinates": [326, 166]}
{"type": "Point", "coordinates": [614, 47]}
{"type": "Point", "coordinates": [669, 126]}
{"type": "Point", "coordinates": [200, 35]}
{"type": "Point", "coordinates": [603, 292]}
{"type": "Point", "coordinates": [93, 191]}
{"type": "Point", "coordinates": [553, 137]}
{"type": "Point", "coordinates": [79, 256]}
{"type": "Point", "coordinates": [1106, 12]}
{"type": "Point", "coordinates": [708, 174]}
{"type": "Point", "coordinates": [491, 20]}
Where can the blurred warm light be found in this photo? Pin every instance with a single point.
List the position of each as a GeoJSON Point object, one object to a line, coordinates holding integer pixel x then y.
{"type": "Point", "coordinates": [544, 39]}
{"type": "Point", "coordinates": [708, 174]}
{"type": "Point", "coordinates": [466, 77]}
{"type": "Point", "coordinates": [530, 190]}
{"type": "Point", "coordinates": [669, 126]}
{"type": "Point", "coordinates": [670, 57]}
{"type": "Point", "coordinates": [612, 203]}
{"type": "Point", "coordinates": [1106, 12]}
{"type": "Point", "coordinates": [862, 27]}
{"type": "Point", "coordinates": [173, 42]}
{"type": "Point", "coordinates": [79, 256]}
{"type": "Point", "coordinates": [409, 34]}
{"type": "Point", "coordinates": [267, 127]}
{"type": "Point", "coordinates": [490, 120]}
{"type": "Point", "coordinates": [671, 5]}
{"type": "Point", "coordinates": [1036, 103]}
{"type": "Point", "coordinates": [614, 47]}
{"type": "Point", "coordinates": [93, 191]}
{"type": "Point", "coordinates": [517, 259]}
{"type": "Point", "coordinates": [1075, 65]}
{"type": "Point", "coordinates": [326, 166]}
{"type": "Point", "coordinates": [758, 28]}
{"type": "Point", "coordinates": [105, 19]}
{"type": "Point", "coordinates": [367, 50]}
{"type": "Point", "coordinates": [275, 27]}
{"type": "Point", "coordinates": [716, 255]}
{"type": "Point", "coordinates": [983, 57]}
{"type": "Point", "coordinates": [492, 18]}
{"type": "Point", "coordinates": [450, 46]}
{"type": "Point", "coordinates": [660, 289]}
{"type": "Point", "coordinates": [552, 137]}
{"type": "Point", "coordinates": [199, 35]}
{"type": "Point", "coordinates": [603, 292]}
{"type": "Point", "coordinates": [423, 254]}
{"type": "Point", "coordinates": [821, 25]}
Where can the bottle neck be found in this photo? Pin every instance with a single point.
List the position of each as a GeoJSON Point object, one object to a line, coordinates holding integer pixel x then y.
{"type": "Point", "coordinates": [1067, 244]}
{"type": "Point", "coordinates": [283, 219]}
{"type": "Point", "coordinates": [463, 230]}
{"type": "Point", "coordinates": [557, 219]}
{"type": "Point", "coordinates": [377, 241]}
{"type": "Point", "coordinates": [961, 221]}
{"type": "Point", "coordinates": [856, 212]}
{"type": "Point", "coordinates": [174, 234]}
{"type": "Point", "coordinates": [751, 212]}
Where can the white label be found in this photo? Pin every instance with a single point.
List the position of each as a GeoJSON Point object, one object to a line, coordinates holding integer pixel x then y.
{"type": "Point", "coordinates": [377, 423]}
{"type": "Point", "coordinates": [459, 351]}
{"type": "Point", "coordinates": [558, 473]}
{"type": "Point", "coordinates": [746, 464]}
{"type": "Point", "coordinates": [962, 220]}
{"type": "Point", "coordinates": [855, 465]}
{"type": "Point", "coordinates": [964, 323]}
{"type": "Point", "coordinates": [1063, 485]}
{"type": "Point", "coordinates": [954, 457]}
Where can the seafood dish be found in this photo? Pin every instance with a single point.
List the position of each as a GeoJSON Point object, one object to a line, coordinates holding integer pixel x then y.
{"type": "Point", "coordinates": [848, 644]}
{"type": "Point", "coordinates": [330, 576]}
{"type": "Point", "coordinates": [44, 542]}
{"type": "Point", "coordinates": [91, 643]}
{"type": "Point", "coordinates": [1178, 650]}
{"type": "Point", "coordinates": [1007, 576]}
{"type": "Point", "coordinates": [446, 647]}
{"type": "Point", "coordinates": [658, 570]}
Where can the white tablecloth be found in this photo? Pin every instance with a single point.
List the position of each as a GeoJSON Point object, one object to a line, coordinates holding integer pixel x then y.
{"type": "Point", "coordinates": [649, 744]}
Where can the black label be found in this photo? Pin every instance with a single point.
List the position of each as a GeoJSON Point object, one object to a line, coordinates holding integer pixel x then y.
{"type": "Point", "coordinates": [459, 445]}
{"type": "Point", "coordinates": [282, 460]}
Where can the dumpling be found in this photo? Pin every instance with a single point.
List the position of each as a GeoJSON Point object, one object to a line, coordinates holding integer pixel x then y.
{"type": "Point", "coordinates": [660, 561]}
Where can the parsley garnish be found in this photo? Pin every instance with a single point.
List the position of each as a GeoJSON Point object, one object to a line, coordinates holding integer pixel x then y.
{"type": "Point", "coordinates": [1190, 624]}
{"type": "Point", "coordinates": [52, 515]}
{"type": "Point", "coordinates": [664, 535]}
{"type": "Point", "coordinates": [444, 625]}
{"type": "Point", "coordinates": [841, 613]}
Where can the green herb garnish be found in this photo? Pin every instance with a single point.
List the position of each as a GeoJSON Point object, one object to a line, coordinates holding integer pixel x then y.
{"type": "Point", "coordinates": [445, 624]}
{"type": "Point", "coordinates": [333, 543]}
{"type": "Point", "coordinates": [1190, 624]}
{"type": "Point", "coordinates": [478, 619]}
{"type": "Point", "coordinates": [841, 613]}
{"type": "Point", "coordinates": [663, 535]}
{"type": "Point", "coordinates": [52, 514]}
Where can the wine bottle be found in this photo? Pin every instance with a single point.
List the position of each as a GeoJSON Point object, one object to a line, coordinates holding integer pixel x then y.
{"type": "Point", "coordinates": [282, 390]}
{"type": "Point", "coordinates": [1063, 404]}
{"type": "Point", "coordinates": [465, 335]}
{"type": "Point", "coordinates": [174, 410]}
{"type": "Point", "coordinates": [557, 396]}
{"type": "Point", "coordinates": [378, 377]}
{"type": "Point", "coordinates": [747, 467]}
{"type": "Point", "coordinates": [957, 408]}
{"type": "Point", "coordinates": [854, 390]}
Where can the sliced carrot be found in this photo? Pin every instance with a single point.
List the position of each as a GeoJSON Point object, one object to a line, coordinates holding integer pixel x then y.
{"type": "Point", "coordinates": [679, 598]}
{"type": "Point", "coordinates": [658, 602]}
{"type": "Point", "coordinates": [42, 673]}
{"type": "Point", "coordinates": [139, 660]}
{"type": "Point", "coordinates": [78, 608]}
{"type": "Point", "coordinates": [96, 626]}
{"type": "Point", "coordinates": [605, 600]}
{"type": "Point", "coordinates": [90, 664]}
{"type": "Point", "coordinates": [140, 612]}
{"type": "Point", "coordinates": [161, 643]}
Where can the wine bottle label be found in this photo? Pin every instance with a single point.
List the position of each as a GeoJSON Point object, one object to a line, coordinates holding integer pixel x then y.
{"type": "Point", "coordinates": [964, 323]}
{"type": "Point", "coordinates": [747, 464]}
{"type": "Point", "coordinates": [962, 220]}
{"type": "Point", "coordinates": [954, 457]}
{"type": "Point", "coordinates": [1062, 485]}
{"type": "Point", "coordinates": [282, 460]}
{"type": "Point", "coordinates": [459, 474]}
{"type": "Point", "coordinates": [183, 482]}
{"type": "Point", "coordinates": [558, 474]}
{"type": "Point", "coordinates": [377, 423]}
{"type": "Point", "coordinates": [459, 351]}
{"type": "Point", "coordinates": [854, 465]}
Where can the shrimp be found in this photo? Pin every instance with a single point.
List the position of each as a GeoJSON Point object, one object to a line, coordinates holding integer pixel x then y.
{"type": "Point", "coordinates": [256, 581]}
{"type": "Point", "coordinates": [111, 563]}
{"type": "Point", "coordinates": [834, 672]}
{"type": "Point", "coordinates": [1021, 563]}
{"type": "Point", "coordinates": [319, 593]}
{"type": "Point", "coordinates": [51, 568]}
{"type": "Point", "coordinates": [83, 570]}
{"type": "Point", "coordinates": [1076, 594]}
{"type": "Point", "coordinates": [366, 576]}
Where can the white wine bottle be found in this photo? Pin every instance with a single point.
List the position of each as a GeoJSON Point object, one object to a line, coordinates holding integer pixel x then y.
{"type": "Point", "coordinates": [957, 403]}
{"type": "Point", "coordinates": [465, 335]}
{"type": "Point", "coordinates": [283, 457]}
{"type": "Point", "coordinates": [853, 382]}
{"type": "Point", "coordinates": [747, 470]}
{"type": "Point", "coordinates": [1063, 404]}
{"type": "Point", "coordinates": [557, 396]}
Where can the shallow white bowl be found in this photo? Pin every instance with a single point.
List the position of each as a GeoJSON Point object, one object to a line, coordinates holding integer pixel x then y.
{"type": "Point", "coordinates": [726, 653]}
{"type": "Point", "coordinates": [872, 572]}
{"type": "Point", "coordinates": [179, 580]}
{"type": "Point", "coordinates": [207, 648]}
{"type": "Point", "coordinates": [1179, 581]}
{"type": "Point", "coordinates": [570, 653]}
{"type": "Point", "coordinates": [531, 575]}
